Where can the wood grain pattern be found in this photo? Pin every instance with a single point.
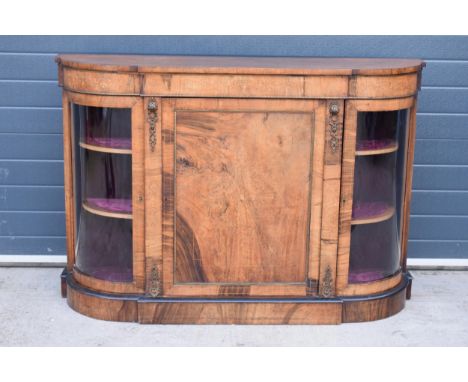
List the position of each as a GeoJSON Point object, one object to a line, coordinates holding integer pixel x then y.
{"type": "Point", "coordinates": [102, 308]}
{"type": "Point", "coordinates": [153, 197]}
{"type": "Point", "coordinates": [238, 225]}
{"type": "Point", "coordinates": [241, 85]}
{"type": "Point", "coordinates": [105, 83]}
{"type": "Point", "coordinates": [210, 290]}
{"type": "Point", "coordinates": [189, 267]}
{"type": "Point", "coordinates": [246, 77]}
{"type": "Point", "coordinates": [102, 101]}
{"type": "Point", "coordinates": [240, 313]}
{"type": "Point", "coordinates": [240, 65]}
{"type": "Point", "coordinates": [380, 87]}
{"type": "Point", "coordinates": [248, 173]}
{"type": "Point", "coordinates": [316, 199]}
{"type": "Point", "coordinates": [68, 161]}
{"type": "Point", "coordinates": [167, 195]}
{"type": "Point", "coordinates": [346, 201]}
{"type": "Point", "coordinates": [374, 309]}
{"type": "Point", "coordinates": [278, 86]}
{"type": "Point", "coordinates": [138, 193]}
{"type": "Point", "coordinates": [245, 86]}
{"type": "Point", "coordinates": [331, 199]}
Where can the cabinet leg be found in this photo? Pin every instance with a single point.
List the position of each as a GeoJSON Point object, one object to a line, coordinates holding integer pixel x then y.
{"type": "Point", "coordinates": [63, 282]}
{"type": "Point", "coordinates": [408, 288]}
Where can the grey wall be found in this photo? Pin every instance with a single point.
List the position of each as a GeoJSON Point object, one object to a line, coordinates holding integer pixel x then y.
{"type": "Point", "coordinates": [31, 175]}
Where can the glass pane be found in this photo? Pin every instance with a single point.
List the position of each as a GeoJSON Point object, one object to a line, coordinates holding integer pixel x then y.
{"type": "Point", "coordinates": [103, 192]}
{"type": "Point", "coordinates": [104, 247]}
{"type": "Point", "coordinates": [377, 196]}
{"type": "Point", "coordinates": [105, 127]}
{"type": "Point", "coordinates": [106, 181]}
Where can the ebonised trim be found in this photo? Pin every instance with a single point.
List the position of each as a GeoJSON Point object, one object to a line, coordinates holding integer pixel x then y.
{"type": "Point", "coordinates": [406, 280]}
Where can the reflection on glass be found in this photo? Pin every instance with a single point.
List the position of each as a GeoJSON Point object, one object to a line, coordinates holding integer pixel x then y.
{"type": "Point", "coordinates": [104, 247]}
{"type": "Point", "coordinates": [106, 181]}
{"type": "Point", "coordinates": [377, 196]}
{"type": "Point", "coordinates": [103, 179]}
{"type": "Point", "coordinates": [105, 127]}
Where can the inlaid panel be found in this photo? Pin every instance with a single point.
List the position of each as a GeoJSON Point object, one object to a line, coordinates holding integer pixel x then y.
{"type": "Point", "coordinates": [242, 190]}
{"type": "Point", "coordinates": [237, 187]}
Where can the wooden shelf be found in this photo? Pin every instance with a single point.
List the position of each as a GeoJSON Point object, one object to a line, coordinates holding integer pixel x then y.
{"type": "Point", "coordinates": [103, 149]}
{"type": "Point", "coordinates": [113, 274]}
{"type": "Point", "coordinates": [106, 212]}
{"type": "Point", "coordinates": [380, 215]}
{"type": "Point", "coordinates": [377, 151]}
{"type": "Point", "coordinates": [365, 276]}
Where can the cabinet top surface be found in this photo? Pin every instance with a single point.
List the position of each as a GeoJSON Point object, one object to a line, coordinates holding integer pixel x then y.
{"type": "Point", "coordinates": [241, 65]}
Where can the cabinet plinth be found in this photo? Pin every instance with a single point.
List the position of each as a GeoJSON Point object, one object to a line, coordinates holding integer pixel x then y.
{"type": "Point", "coordinates": [224, 190]}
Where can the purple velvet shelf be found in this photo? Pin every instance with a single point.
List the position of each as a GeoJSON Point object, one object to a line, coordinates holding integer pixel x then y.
{"type": "Point", "coordinates": [369, 209]}
{"type": "Point", "coordinates": [113, 273]}
{"type": "Point", "coordinates": [374, 144]}
{"type": "Point", "coordinates": [111, 205]}
{"type": "Point", "coordinates": [111, 143]}
{"type": "Point", "coordinates": [364, 277]}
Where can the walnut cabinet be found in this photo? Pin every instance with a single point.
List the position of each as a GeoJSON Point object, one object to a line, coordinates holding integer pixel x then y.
{"type": "Point", "coordinates": [237, 189]}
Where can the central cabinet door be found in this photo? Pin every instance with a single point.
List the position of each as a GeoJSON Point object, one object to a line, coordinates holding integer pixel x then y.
{"type": "Point", "coordinates": [241, 196]}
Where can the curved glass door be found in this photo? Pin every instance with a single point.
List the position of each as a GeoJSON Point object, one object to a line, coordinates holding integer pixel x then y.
{"type": "Point", "coordinates": [103, 192]}
{"type": "Point", "coordinates": [377, 196]}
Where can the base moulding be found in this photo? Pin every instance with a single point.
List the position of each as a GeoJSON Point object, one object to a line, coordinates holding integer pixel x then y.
{"type": "Point", "coordinates": [147, 310]}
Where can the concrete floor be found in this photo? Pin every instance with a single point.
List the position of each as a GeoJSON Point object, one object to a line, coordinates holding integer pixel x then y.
{"type": "Point", "coordinates": [32, 313]}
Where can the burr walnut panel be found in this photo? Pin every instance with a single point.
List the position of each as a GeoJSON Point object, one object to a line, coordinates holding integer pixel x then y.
{"type": "Point", "coordinates": [242, 196]}
{"type": "Point", "coordinates": [237, 183]}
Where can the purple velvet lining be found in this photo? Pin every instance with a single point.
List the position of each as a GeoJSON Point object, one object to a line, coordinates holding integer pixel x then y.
{"type": "Point", "coordinates": [114, 143]}
{"type": "Point", "coordinates": [362, 277]}
{"type": "Point", "coordinates": [363, 210]}
{"type": "Point", "coordinates": [374, 144]}
{"type": "Point", "coordinates": [113, 274]}
{"type": "Point", "coordinates": [111, 205]}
